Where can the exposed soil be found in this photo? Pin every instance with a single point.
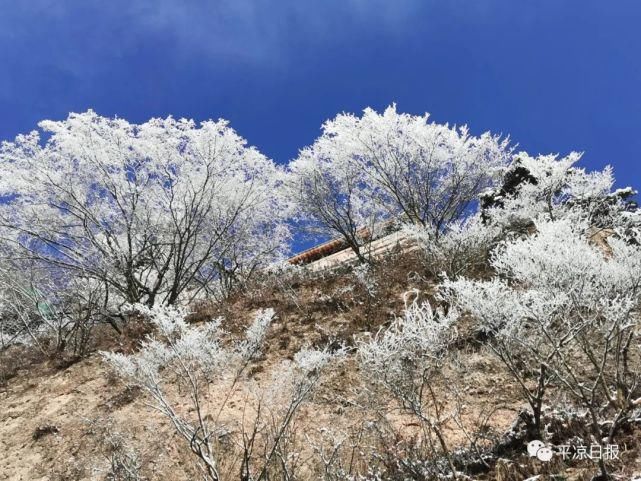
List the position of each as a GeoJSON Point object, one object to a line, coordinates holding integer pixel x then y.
{"type": "Point", "coordinates": [54, 416]}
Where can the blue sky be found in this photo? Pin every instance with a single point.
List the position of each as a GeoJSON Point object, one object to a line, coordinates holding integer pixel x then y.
{"type": "Point", "coordinates": [556, 75]}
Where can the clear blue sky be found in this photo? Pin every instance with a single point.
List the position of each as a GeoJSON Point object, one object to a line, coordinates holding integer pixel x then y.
{"type": "Point", "coordinates": [556, 75]}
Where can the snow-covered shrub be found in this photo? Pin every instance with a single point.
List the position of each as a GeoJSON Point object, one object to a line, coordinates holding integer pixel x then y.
{"type": "Point", "coordinates": [565, 311]}
{"type": "Point", "coordinates": [291, 385]}
{"type": "Point", "coordinates": [196, 361]}
{"type": "Point", "coordinates": [402, 360]}
{"type": "Point", "coordinates": [365, 278]}
{"type": "Point", "coordinates": [193, 358]}
{"type": "Point", "coordinates": [412, 342]}
{"type": "Point", "coordinates": [123, 461]}
{"type": "Point", "coordinates": [284, 277]}
{"type": "Point", "coordinates": [463, 247]}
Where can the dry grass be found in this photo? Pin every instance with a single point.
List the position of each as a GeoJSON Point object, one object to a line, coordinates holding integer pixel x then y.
{"type": "Point", "coordinates": [41, 393]}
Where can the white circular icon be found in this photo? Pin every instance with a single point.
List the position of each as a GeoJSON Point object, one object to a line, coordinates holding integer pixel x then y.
{"type": "Point", "coordinates": [533, 447]}
{"type": "Point", "coordinates": [539, 450]}
{"type": "Point", "coordinates": [545, 454]}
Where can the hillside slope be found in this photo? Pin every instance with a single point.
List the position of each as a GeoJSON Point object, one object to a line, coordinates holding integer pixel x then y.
{"type": "Point", "coordinates": [75, 420]}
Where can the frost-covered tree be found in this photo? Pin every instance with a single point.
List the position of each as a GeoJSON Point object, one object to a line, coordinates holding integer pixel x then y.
{"type": "Point", "coordinates": [53, 314]}
{"type": "Point", "coordinates": [555, 187]}
{"type": "Point", "coordinates": [156, 211]}
{"type": "Point", "coordinates": [23, 309]}
{"type": "Point", "coordinates": [363, 170]}
{"type": "Point", "coordinates": [332, 198]}
{"type": "Point", "coordinates": [563, 310]}
{"type": "Point", "coordinates": [547, 187]}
